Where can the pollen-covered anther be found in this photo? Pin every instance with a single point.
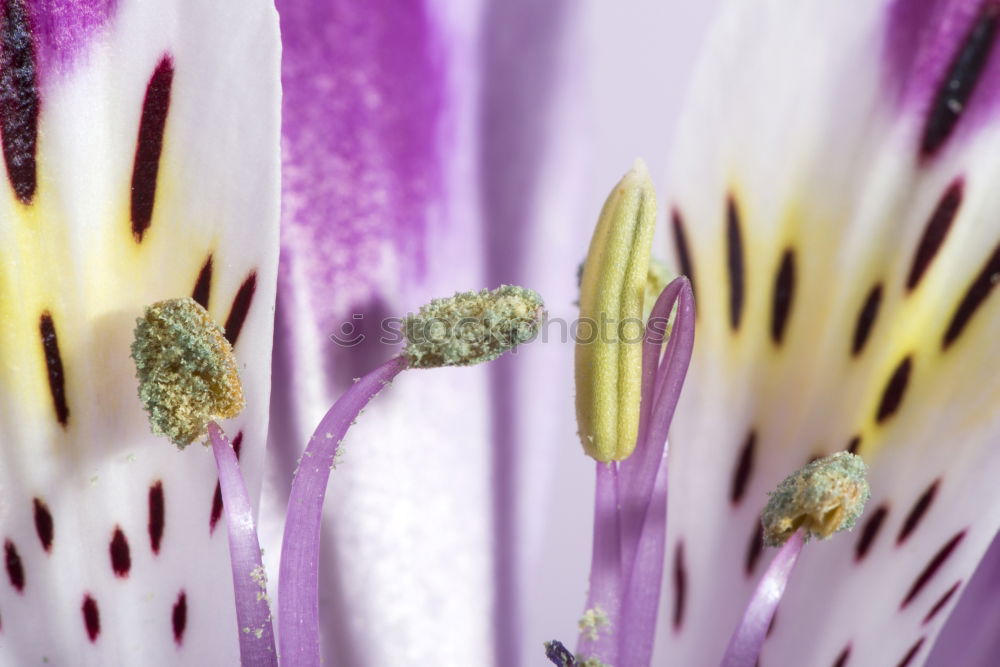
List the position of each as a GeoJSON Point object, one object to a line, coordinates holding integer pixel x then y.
{"type": "Point", "coordinates": [472, 327]}
{"type": "Point", "coordinates": [186, 369]}
{"type": "Point", "coordinates": [825, 497]}
{"type": "Point", "coordinates": [613, 288]}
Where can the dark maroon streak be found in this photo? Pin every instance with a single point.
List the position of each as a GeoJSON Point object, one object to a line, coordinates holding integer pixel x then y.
{"type": "Point", "coordinates": [121, 557]}
{"type": "Point", "coordinates": [178, 617]}
{"type": "Point", "coordinates": [216, 513]}
{"type": "Point", "coordinates": [892, 395]}
{"type": "Point", "coordinates": [203, 286]}
{"type": "Point", "coordinates": [15, 569]}
{"type": "Point", "coordinates": [91, 617]}
{"type": "Point", "coordinates": [917, 513]}
{"type": "Point", "coordinates": [149, 145]}
{"type": "Point", "coordinates": [681, 245]}
{"type": "Point", "coordinates": [680, 586]}
{"type": "Point", "coordinates": [734, 263]}
{"type": "Point", "coordinates": [869, 532]}
{"type": "Point", "coordinates": [935, 233]}
{"type": "Point", "coordinates": [912, 653]}
{"type": "Point", "coordinates": [743, 469]}
{"type": "Point", "coordinates": [157, 516]}
{"type": "Point", "coordinates": [841, 660]}
{"type": "Point", "coordinates": [240, 308]}
{"type": "Point", "coordinates": [784, 291]}
{"type": "Point", "coordinates": [18, 99]}
{"type": "Point", "coordinates": [54, 366]}
{"type": "Point", "coordinates": [854, 444]}
{"type": "Point", "coordinates": [43, 524]}
{"type": "Point", "coordinates": [866, 319]}
{"type": "Point", "coordinates": [931, 569]}
{"type": "Point", "coordinates": [974, 297]}
{"type": "Point", "coordinates": [754, 549]}
{"type": "Point", "coordinates": [955, 91]}
{"type": "Point", "coordinates": [939, 605]}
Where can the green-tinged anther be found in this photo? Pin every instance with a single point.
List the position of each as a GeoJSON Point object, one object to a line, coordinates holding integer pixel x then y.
{"type": "Point", "coordinates": [610, 330]}
{"type": "Point", "coordinates": [825, 497]}
{"type": "Point", "coordinates": [472, 327]}
{"type": "Point", "coordinates": [186, 369]}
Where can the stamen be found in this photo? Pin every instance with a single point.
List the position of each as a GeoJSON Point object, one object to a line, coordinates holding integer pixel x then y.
{"type": "Point", "coordinates": [186, 369]}
{"type": "Point", "coordinates": [469, 328]}
{"type": "Point", "coordinates": [610, 329]}
{"type": "Point", "coordinates": [472, 327]}
{"type": "Point", "coordinates": [826, 496]}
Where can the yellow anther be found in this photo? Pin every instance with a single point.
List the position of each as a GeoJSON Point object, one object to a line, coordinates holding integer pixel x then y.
{"type": "Point", "coordinates": [609, 336]}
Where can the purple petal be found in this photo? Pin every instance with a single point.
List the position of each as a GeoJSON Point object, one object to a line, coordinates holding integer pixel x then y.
{"type": "Point", "coordinates": [63, 30]}
{"type": "Point", "coordinates": [744, 647]}
{"type": "Point", "coordinates": [970, 635]}
{"type": "Point", "coordinates": [253, 612]}
{"type": "Point", "coordinates": [298, 577]}
{"type": "Point", "coordinates": [364, 90]}
{"type": "Point", "coordinates": [942, 59]}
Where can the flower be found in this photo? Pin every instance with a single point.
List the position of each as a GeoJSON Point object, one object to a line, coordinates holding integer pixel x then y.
{"type": "Point", "coordinates": [140, 158]}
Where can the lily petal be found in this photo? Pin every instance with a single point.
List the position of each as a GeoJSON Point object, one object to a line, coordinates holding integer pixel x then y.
{"type": "Point", "coordinates": [843, 270]}
{"type": "Point", "coordinates": [155, 153]}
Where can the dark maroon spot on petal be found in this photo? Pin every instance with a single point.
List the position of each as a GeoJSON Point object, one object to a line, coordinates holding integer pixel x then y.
{"type": "Point", "coordinates": [892, 395]}
{"type": "Point", "coordinates": [869, 532]}
{"type": "Point", "coordinates": [917, 513]}
{"type": "Point", "coordinates": [854, 444]}
{"type": "Point", "coordinates": [912, 653]}
{"type": "Point", "coordinates": [935, 232]}
{"type": "Point", "coordinates": [216, 513]}
{"type": "Point", "coordinates": [53, 363]}
{"type": "Point", "coordinates": [866, 319]}
{"type": "Point", "coordinates": [960, 82]}
{"type": "Point", "coordinates": [18, 100]}
{"type": "Point", "coordinates": [973, 299]}
{"type": "Point", "coordinates": [43, 524]}
{"type": "Point", "coordinates": [157, 516]}
{"type": "Point", "coordinates": [744, 466]}
{"type": "Point", "coordinates": [217, 507]}
{"type": "Point", "coordinates": [734, 263]}
{"type": "Point", "coordinates": [203, 286]}
{"type": "Point", "coordinates": [178, 617]}
{"type": "Point", "coordinates": [240, 308]}
{"type": "Point", "coordinates": [121, 556]}
{"type": "Point", "coordinates": [841, 660]}
{"type": "Point", "coordinates": [91, 617]}
{"type": "Point", "coordinates": [680, 586]}
{"type": "Point", "coordinates": [754, 549]}
{"type": "Point", "coordinates": [939, 605]}
{"type": "Point", "coordinates": [681, 245]}
{"type": "Point", "coordinates": [15, 569]}
{"type": "Point", "coordinates": [149, 145]}
{"type": "Point", "coordinates": [931, 569]}
{"type": "Point", "coordinates": [784, 290]}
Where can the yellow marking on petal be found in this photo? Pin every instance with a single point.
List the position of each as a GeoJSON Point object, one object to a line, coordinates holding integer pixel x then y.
{"type": "Point", "coordinates": [609, 338]}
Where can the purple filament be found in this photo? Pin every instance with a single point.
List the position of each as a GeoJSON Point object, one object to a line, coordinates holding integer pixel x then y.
{"type": "Point", "coordinates": [253, 614]}
{"type": "Point", "coordinates": [631, 505]}
{"type": "Point", "coordinates": [298, 575]}
{"type": "Point", "coordinates": [746, 642]}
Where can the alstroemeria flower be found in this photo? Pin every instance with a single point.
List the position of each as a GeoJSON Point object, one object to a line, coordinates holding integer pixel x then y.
{"type": "Point", "coordinates": [833, 200]}
{"type": "Point", "coordinates": [140, 162]}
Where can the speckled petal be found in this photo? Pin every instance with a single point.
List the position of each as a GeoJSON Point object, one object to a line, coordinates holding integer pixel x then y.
{"type": "Point", "coordinates": [844, 280]}
{"type": "Point", "coordinates": [153, 174]}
